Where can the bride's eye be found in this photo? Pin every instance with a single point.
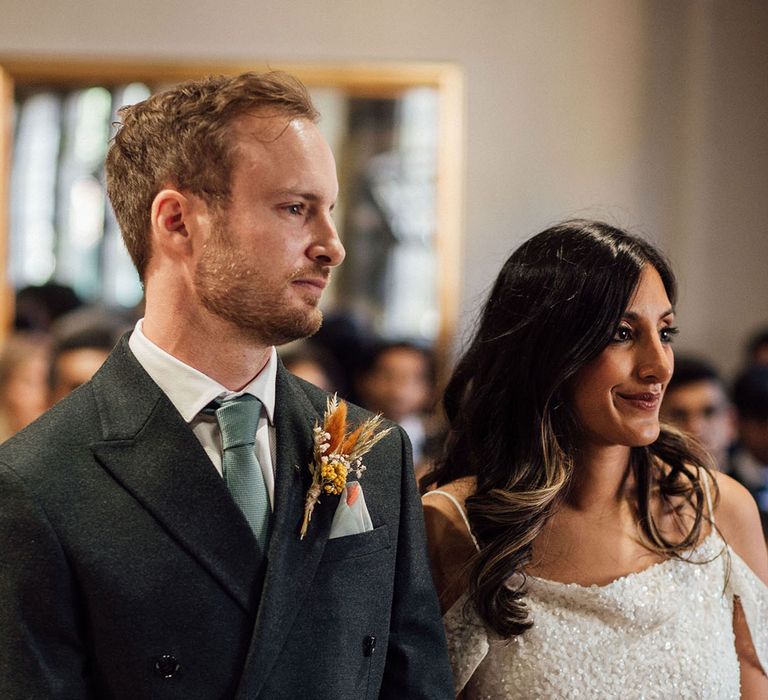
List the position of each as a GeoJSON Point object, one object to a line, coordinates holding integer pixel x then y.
{"type": "Point", "coordinates": [622, 334]}
{"type": "Point", "coordinates": [668, 333]}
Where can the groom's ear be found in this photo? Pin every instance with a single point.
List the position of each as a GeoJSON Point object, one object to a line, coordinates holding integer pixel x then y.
{"type": "Point", "coordinates": [169, 210]}
{"type": "Point", "coordinates": [178, 219]}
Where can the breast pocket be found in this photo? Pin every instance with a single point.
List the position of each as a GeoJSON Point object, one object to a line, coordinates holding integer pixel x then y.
{"type": "Point", "coordinates": [353, 546]}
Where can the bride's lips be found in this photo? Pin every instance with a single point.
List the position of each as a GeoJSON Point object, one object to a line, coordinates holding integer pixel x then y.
{"type": "Point", "coordinates": [645, 401]}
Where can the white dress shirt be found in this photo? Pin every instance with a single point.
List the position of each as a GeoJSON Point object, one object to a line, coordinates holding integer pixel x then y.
{"type": "Point", "coordinates": [189, 390]}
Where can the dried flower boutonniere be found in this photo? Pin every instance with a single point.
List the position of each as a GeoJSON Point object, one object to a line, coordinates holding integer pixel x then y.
{"type": "Point", "coordinates": [337, 452]}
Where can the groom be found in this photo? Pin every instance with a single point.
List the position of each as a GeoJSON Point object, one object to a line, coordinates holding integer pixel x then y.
{"type": "Point", "coordinates": [146, 549]}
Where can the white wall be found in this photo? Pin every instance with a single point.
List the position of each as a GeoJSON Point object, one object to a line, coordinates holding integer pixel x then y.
{"type": "Point", "coordinates": [652, 113]}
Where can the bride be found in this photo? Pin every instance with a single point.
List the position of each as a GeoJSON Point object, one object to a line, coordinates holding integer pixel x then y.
{"type": "Point", "coordinates": [580, 549]}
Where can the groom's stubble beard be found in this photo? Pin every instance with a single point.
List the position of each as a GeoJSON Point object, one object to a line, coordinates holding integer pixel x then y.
{"type": "Point", "coordinates": [235, 286]}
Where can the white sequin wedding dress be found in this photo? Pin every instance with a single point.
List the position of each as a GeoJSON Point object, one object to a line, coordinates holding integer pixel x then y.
{"type": "Point", "coordinates": [664, 632]}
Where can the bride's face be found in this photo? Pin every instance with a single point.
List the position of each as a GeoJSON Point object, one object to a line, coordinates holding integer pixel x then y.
{"type": "Point", "coordinates": [616, 396]}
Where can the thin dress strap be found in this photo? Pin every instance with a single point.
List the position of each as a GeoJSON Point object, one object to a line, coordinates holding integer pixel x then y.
{"type": "Point", "coordinates": [459, 508]}
{"type": "Point", "coordinates": [705, 481]}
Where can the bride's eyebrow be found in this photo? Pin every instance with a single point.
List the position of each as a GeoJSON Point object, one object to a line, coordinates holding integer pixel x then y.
{"type": "Point", "coordinates": [632, 316]}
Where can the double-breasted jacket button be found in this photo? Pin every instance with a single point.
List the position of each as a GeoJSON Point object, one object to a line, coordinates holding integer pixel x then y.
{"type": "Point", "coordinates": [166, 666]}
{"type": "Point", "coordinates": [369, 645]}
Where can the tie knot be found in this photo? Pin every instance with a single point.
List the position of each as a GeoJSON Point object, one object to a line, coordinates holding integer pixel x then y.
{"type": "Point", "coordinates": [238, 419]}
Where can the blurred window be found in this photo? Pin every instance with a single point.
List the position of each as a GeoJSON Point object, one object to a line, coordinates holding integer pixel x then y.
{"type": "Point", "coordinates": [62, 228]}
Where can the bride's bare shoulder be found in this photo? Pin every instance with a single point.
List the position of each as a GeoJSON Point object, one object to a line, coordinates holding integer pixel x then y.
{"type": "Point", "coordinates": [444, 511]}
{"type": "Point", "coordinates": [738, 520]}
{"type": "Point", "coordinates": [449, 541]}
{"type": "Point", "coordinates": [459, 489]}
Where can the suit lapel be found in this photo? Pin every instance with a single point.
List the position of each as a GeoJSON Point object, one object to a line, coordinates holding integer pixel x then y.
{"type": "Point", "coordinates": [153, 454]}
{"type": "Point", "coordinates": [292, 561]}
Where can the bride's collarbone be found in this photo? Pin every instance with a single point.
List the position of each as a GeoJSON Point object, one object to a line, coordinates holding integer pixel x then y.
{"type": "Point", "coordinates": [596, 550]}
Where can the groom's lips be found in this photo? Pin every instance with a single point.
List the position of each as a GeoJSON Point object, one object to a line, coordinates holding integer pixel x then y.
{"type": "Point", "coordinates": [312, 285]}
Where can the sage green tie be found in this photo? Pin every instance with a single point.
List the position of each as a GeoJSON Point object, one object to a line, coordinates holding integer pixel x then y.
{"type": "Point", "coordinates": [237, 420]}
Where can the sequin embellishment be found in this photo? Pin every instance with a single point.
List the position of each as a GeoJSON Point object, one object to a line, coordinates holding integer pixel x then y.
{"type": "Point", "coordinates": [665, 632]}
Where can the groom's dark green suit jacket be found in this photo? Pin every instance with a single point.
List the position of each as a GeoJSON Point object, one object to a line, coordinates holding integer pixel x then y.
{"type": "Point", "coordinates": [127, 571]}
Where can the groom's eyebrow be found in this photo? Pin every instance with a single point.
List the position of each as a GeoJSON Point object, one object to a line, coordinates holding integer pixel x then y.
{"type": "Point", "coordinates": [311, 197]}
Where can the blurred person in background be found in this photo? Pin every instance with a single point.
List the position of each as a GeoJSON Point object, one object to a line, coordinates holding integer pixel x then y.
{"type": "Point", "coordinates": [749, 463]}
{"type": "Point", "coordinates": [38, 307]}
{"type": "Point", "coordinates": [696, 401]}
{"type": "Point", "coordinates": [397, 380]}
{"type": "Point", "coordinates": [75, 358]}
{"type": "Point", "coordinates": [347, 337]}
{"type": "Point", "coordinates": [23, 381]}
{"type": "Point", "coordinates": [757, 348]}
{"type": "Point", "coordinates": [314, 364]}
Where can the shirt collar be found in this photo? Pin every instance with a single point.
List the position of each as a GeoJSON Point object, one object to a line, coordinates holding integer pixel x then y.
{"type": "Point", "coordinates": [188, 389]}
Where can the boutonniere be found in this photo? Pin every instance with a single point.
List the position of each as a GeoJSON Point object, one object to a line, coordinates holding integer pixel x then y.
{"type": "Point", "coordinates": [337, 451]}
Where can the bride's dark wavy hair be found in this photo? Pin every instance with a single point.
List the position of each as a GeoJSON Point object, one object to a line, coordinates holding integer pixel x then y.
{"type": "Point", "coordinates": [555, 305]}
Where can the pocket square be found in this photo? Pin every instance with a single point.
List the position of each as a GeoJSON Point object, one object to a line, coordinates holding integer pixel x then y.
{"type": "Point", "coordinates": [351, 517]}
